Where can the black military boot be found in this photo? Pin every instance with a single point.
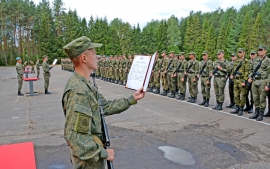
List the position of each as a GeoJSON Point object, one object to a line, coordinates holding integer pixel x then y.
{"type": "Point", "coordinates": [220, 106]}
{"type": "Point", "coordinates": [206, 102]}
{"type": "Point", "coordinates": [183, 97]}
{"type": "Point", "coordinates": [267, 114]}
{"type": "Point", "coordinates": [47, 92]}
{"type": "Point", "coordinates": [192, 100]}
{"type": "Point", "coordinates": [235, 111]}
{"type": "Point", "coordinates": [168, 91]}
{"type": "Point", "coordinates": [121, 83]}
{"type": "Point", "coordinates": [150, 89]}
{"type": "Point", "coordinates": [164, 93]}
{"type": "Point", "coordinates": [203, 102]}
{"type": "Point", "coordinates": [240, 112]}
{"type": "Point", "coordinates": [20, 94]}
{"type": "Point", "coordinates": [216, 106]}
{"type": "Point", "coordinates": [231, 105]}
{"type": "Point", "coordinates": [172, 95]}
{"type": "Point", "coordinates": [251, 109]}
{"type": "Point", "coordinates": [256, 114]}
{"type": "Point", "coordinates": [180, 96]}
{"type": "Point", "coordinates": [260, 117]}
{"type": "Point", "coordinates": [157, 91]}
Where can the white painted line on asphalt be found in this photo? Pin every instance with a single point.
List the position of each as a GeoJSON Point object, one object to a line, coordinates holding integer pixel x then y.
{"type": "Point", "coordinates": [200, 106]}
{"type": "Point", "coordinates": [15, 117]}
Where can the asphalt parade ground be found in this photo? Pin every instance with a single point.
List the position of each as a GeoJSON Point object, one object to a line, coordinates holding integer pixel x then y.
{"type": "Point", "coordinates": [157, 133]}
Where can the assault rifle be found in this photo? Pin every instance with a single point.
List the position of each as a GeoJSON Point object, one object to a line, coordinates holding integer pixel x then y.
{"type": "Point", "coordinates": [237, 68]}
{"type": "Point", "coordinates": [178, 67]}
{"type": "Point", "coordinates": [214, 72]}
{"type": "Point", "coordinates": [160, 66]}
{"type": "Point", "coordinates": [188, 69]}
{"type": "Point", "coordinates": [105, 134]}
{"type": "Point", "coordinates": [255, 72]}
{"type": "Point", "coordinates": [202, 70]}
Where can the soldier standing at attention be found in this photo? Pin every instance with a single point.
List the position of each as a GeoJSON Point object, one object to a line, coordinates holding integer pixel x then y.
{"type": "Point", "coordinates": [38, 67]}
{"type": "Point", "coordinates": [80, 103]}
{"type": "Point", "coordinates": [32, 66]}
{"type": "Point", "coordinates": [221, 66]}
{"type": "Point", "coordinates": [230, 86]}
{"type": "Point", "coordinates": [207, 65]}
{"type": "Point", "coordinates": [193, 71]}
{"type": "Point", "coordinates": [241, 68]}
{"type": "Point", "coordinates": [182, 83]}
{"type": "Point", "coordinates": [163, 73]}
{"type": "Point", "coordinates": [151, 80]}
{"type": "Point", "coordinates": [157, 74]}
{"type": "Point", "coordinates": [19, 69]}
{"type": "Point", "coordinates": [46, 69]}
{"type": "Point", "coordinates": [171, 75]}
{"type": "Point", "coordinates": [249, 106]}
{"type": "Point", "coordinates": [260, 82]}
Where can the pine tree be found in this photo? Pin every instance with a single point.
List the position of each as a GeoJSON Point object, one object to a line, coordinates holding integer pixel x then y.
{"type": "Point", "coordinates": [173, 34]}
{"type": "Point", "coordinates": [211, 43]}
{"type": "Point", "coordinates": [256, 34]}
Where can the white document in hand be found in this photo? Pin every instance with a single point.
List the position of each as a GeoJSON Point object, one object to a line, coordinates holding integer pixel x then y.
{"type": "Point", "coordinates": [140, 72]}
{"type": "Point", "coordinates": [54, 62]}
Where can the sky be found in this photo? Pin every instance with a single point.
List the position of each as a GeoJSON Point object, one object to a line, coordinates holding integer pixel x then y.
{"type": "Point", "coordinates": [143, 11]}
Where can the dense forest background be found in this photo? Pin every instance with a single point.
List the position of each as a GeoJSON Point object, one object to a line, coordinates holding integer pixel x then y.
{"type": "Point", "coordinates": [30, 31]}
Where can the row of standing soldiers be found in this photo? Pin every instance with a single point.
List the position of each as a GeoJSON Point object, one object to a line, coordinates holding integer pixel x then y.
{"type": "Point", "coordinates": [246, 77]}
{"type": "Point", "coordinates": [114, 69]}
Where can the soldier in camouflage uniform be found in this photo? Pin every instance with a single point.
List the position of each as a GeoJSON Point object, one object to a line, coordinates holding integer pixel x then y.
{"type": "Point", "coordinates": [125, 69]}
{"type": "Point", "coordinates": [19, 70]}
{"type": "Point", "coordinates": [193, 64]}
{"type": "Point", "coordinates": [163, 73]}
{"type": "Point", "coordinates": [180, 73]}
{"type": "Point", "coordinates": [156, 71]}
{"type": "Point", "coordinates": [205, 87]}
{"type": "Point", "coordinates": [120, 70]}
{"type": "Point", "coordinates": [80, 103]}
{"type": "Point", "coordinates": [151, 80]}
{"type": "Point", "coordinates": [249, 105]}
{"type": "Point", "coordinates": [259, 83]}
{"type": "Point", "coordinates": [239, 80]}
{"type": "Point", "coordinates": [222, 66]}
{"type": "Point", "coordinates": [38, 67]}
{"type": "Point", "coordinates": [231, 84]}
{"type": "Point", "coordinates": [171, 77]}
{"type": "Point", "coordinates": [46, 69]}
{"type": "Point", "coordinates": [98, 69]}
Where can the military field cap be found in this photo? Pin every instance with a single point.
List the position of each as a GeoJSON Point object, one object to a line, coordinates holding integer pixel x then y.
{"type": "Point", "coordinates": [164, 51]}
{"type": "Point", "coordinates": [78, 46]}
{"type": "Point", "coordinates": [220, 51]}
{"type": "Point", "coordinates": [263, 47]}
{"type": "Point", "coordinates": [172, 52]}
{"type": "Point", "coordinates": [192, 53]}
{"type": "Point", "coordinates": [253, 52]}
{"type": "Point", "coordinates": [182, 53]}
{"type": "Point", "coordinates": [233, 54]}
{"type": "Point", "coordinates": [241, 50]}
{"type": "Point", "coordinates": [44, 56]}
{"type": "Point", "coordinates": [205, 53]}
{"type": "Point", "coordinates": [18, 58]}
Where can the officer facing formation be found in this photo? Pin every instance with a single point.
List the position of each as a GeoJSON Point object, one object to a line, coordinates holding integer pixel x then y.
{"type": "Point", "coordinates": [46, 69]}
{"type": "Point", "coordinates": [38, 67]}
{"type": "Point", "coordinates": [19, 69]}
{"type": "Point", "coordinates": [81, 108]}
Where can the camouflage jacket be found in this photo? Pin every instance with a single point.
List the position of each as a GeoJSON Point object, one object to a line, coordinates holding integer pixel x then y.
{"type": "Point", "coordinates": [226, 67]}
{"type": "Point", "coordinates": [46, 68]}
{"type": "Point", "coordinates": [19, 69]}
{"type": "Point", "coordinates": [157, 65]}
{"type": "Point", "coordinates": [208, 68]}
{"type": "Point", "coordinates": [173, 66]}
{"type": "Point", "coordinates": [38, 65]}
{"type": "Point", "coordinates": [264, 69]}
{"type": "Point", "coordinates": [243, 70]}
{"type": "Point", "coordinates": [183, 67]}
{"type": "Point", "coordinates": [81, 109]}
{"type": "Point", "coordinates": [194, 69]}
{"type": "Point", "coordinates": [165, 63]}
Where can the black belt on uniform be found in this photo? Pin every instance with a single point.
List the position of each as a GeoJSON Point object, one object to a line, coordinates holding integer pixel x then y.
{"type": "Point", "coordinates": [239, 78]}
{"type": "Point", "coordinates": [260, 78]}
{"type": "Point", "coordinates": [219, 76]}
{"type": "Point", "coordinates": [205, 76]}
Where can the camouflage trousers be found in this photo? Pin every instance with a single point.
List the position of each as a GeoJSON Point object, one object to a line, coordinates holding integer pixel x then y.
{"type": "Point", "coordinates": [97, 72]}
{"type": "Point", "coordinates": [239, 92]}
{"type": "Point", "coordinates": [259, 94]}
{"type": "Point", "coordinates": [193, 86]}
{"type": "Point", "coordinates": [116, 74]}
{"type": "Point", "coordinates": [46, 80]}
{"type": "Point", "coordinates": [219, 86]}
{"type": "Point", "coordinates": [156, 79]}
{"type": "Point", "coordinates": [205, 88]}
{"type": "Point", "coordinates": [171, 81]}
{"type": "Point", "coordinates": [164, 81]}
{"type": "Point", "coordinates": [182, 86]}
{"type": "Point", "coordinates": [20, 82]}
{"type": "Point", "coordinates": [231, 91]}
{"type": "Point", "coordinates": [151, 81]}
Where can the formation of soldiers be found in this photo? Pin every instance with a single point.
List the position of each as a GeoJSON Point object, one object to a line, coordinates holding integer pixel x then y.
{"type": "Point", "coordinates": [249, 79]}
{"type": "Point", "coordinates": [66, 64]}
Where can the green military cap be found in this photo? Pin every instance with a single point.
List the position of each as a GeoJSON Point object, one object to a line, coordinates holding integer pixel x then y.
{"type": "Point", "coordinates": [78, 46]}
{"type": "Point", "coordinates": [205, 53]}
{"type": "Point", "coordinates": [241, 50]}
{"type": "Point", "coordinates": [172, 52]}
{"type": "Point", "coordinates": [220, 51]}
{"type": "Point", "coordinates": [233, 54]}
{"type": "Point", "coordinates": [111, 55]}
{"type": "Point", "coordinates": [164, 51]}
{"type": "Point", "coordinates": [263, 47]}
{"type": "Point", "coordinates": [44, 56]}
{"type": "Point", "coordinates": [192, 53]}
{"type": "Point", "coordinates": [182, 53]}
{"type": "Point", "coordinates": [253, 52]}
